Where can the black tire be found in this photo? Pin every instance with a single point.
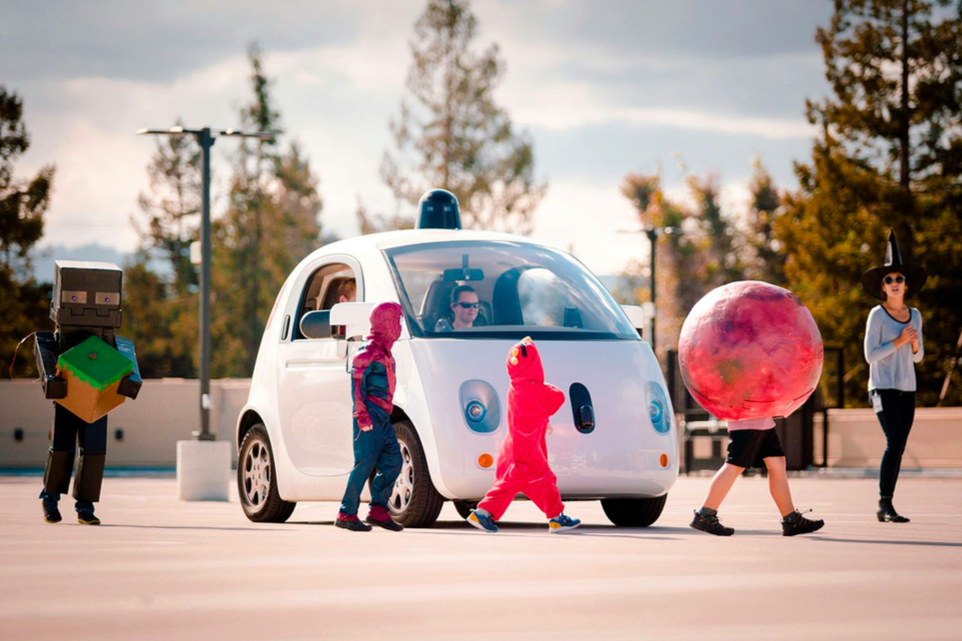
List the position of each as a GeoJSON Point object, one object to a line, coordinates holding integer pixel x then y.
{"type": "Point", "coordinates": [265, 505]}
{"type": "Point", "coordinates": [464, 507]}
{"type": "Point", "coordinates": [422, 504]}
{"type": "Point", "coordinates": [633, 512]}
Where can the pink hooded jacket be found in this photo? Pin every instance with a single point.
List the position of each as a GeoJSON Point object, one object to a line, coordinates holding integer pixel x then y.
{"type": "Point", "coordinates": [531, 402]}
{"type": "Point", "coordinates": [385, 329]}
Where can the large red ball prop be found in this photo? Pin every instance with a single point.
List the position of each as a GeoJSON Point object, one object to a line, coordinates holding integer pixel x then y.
{"type": "Point", "coordinates": [750, 350]}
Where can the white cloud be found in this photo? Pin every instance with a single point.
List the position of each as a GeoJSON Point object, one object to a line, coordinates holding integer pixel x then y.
{"type": "Point", "coordinates": [588, 220]}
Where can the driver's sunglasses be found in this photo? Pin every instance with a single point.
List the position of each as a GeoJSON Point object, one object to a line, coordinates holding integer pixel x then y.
{"type": "Point", "coordinates": [898, 279]}
{"type": "Point", "coordinates": [469, 305]}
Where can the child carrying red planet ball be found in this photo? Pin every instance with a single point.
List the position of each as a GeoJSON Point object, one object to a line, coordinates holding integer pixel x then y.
{"type": "Point", "coordinates": [523, 459]}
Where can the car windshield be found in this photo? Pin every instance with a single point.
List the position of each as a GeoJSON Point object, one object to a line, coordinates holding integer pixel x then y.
{"type": "Point", "coordinates": [486, 289]}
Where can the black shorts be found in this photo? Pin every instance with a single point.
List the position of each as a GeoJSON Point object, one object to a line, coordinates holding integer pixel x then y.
{"type": "Point", "coordinates": [749, 448]}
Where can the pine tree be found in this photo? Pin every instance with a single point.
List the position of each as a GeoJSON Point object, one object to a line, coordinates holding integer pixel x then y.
{"type": "Point", "coordinates": [762, 252]}
{"type": "Point", "coordinates": [23, 205]}
{"type": "Point", "coordinates": [161, 308]}
{"type": "Point", "coordinates": [889, 156]}
{"type": "Point", "coordinates": [271, 224]}
{"type": "Point", "coordinates": [698, 255]}
{"type": "Point", "coordinates": [452, 135]}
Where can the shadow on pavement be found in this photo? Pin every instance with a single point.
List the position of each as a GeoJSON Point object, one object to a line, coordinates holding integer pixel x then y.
{"type": "Point", "coordinates": [939, 544]}
{"type": "Point", "coordinates": [191, 527]}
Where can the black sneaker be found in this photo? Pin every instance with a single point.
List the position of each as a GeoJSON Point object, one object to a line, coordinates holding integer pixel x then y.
{"type": "Point", "coordinates": [353, 524]}
{"type": "Point", "coordinates": [87, 517]}
{"type": "Point", "coordinates": [51, 513]}
{"type": "Point", "coordinates": [795, 523]}
{"type": "Point", "coordinates": [710, 524]}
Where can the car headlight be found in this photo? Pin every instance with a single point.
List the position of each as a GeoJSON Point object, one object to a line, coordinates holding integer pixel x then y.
{"type": "Point", "coordinates": [480, 406]}
{"type": "Point", "coordinates": [658, 407]}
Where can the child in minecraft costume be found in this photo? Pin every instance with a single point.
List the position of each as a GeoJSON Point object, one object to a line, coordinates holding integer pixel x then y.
{"type": "Point", "coordinates": [375, 442]}
{"type": "Point", "coordinates": [85, 304]}
{"type": "Point", "coordinates": [523, 459]}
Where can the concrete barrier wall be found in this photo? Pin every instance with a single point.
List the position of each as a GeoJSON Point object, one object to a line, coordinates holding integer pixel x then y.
{"type": "Point", "coordinates": [166, 411]}
{"type": "Point", "coordinates": [855, 439]}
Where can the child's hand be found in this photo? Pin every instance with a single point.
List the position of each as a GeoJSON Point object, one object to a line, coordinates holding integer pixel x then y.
{"type": "Point", "coordinates": [365, 428]}
{"type": "Point", "coordinates": [550, 429]}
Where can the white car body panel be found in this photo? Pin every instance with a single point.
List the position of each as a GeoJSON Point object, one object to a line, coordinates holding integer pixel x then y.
{"type": "Point", "coordinates": [301, 392]}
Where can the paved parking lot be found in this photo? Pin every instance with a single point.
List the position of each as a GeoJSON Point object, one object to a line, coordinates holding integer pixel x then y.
{"type": "Point", "coordinates": [162, 569]}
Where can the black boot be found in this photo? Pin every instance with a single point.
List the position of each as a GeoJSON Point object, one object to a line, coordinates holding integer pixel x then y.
{"type": "Point", "coordinates": [708, 522]}
{"type": "Point", "coordinates": [85, 514]}
{"type": "Point", "coordinates": [795, 523]}
{"type": "Point", "coordinates": [51, 513]}
{"type": "Point", "coordinates": [886, 512]}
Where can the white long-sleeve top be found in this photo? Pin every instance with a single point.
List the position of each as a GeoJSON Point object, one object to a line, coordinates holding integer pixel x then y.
{"type": "Point", "coordinates": [891, 367]}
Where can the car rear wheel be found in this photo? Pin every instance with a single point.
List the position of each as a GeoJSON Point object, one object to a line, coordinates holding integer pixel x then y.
{"type": "Point", "coordinates": [464, 507]}
{"type": "Point", "coordinates": [634, 512]}
{"type": "Point", "coordinates": [414, 501]}
{"type": "Point", "coordinates": [257, 481]}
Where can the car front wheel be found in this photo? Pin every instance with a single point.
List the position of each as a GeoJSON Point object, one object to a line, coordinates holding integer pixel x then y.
{"type": "Point", "coordinates": [414, 501]}
{"type": "Point", "coordinates": [634, 512]}
{"type": "Point", "coordinates": [257, 481]}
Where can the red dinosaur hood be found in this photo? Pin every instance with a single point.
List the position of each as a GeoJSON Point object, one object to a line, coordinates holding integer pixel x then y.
{"type": "Point", "coordinates": [385, 325]}
{"type": "Point", "coordinates": [524, 363]}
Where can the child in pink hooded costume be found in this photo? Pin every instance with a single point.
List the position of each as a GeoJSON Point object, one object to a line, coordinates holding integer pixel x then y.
{"type": "Point", "coordinates": [523, 460]}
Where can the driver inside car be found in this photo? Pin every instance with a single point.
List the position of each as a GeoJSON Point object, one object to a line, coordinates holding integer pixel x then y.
{"type": "Point", "coordinates": [465, 306]}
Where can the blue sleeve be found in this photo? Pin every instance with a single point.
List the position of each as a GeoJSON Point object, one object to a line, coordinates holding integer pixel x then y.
{"type": "Point", "coordinates": [918, 357]}
{"type": "Point", "coordinates": [875, 349]}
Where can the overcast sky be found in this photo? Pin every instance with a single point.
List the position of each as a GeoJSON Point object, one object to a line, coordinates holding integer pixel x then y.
{"type": "Point", "coordinates": [603, 87]}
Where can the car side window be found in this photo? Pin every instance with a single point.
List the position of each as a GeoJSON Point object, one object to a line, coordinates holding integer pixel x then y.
{"type": "Point", "coordinates": [327, 286]}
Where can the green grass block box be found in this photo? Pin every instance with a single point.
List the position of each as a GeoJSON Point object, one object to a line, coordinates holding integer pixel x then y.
{"type": "Point", "coordinates": [93, 371]}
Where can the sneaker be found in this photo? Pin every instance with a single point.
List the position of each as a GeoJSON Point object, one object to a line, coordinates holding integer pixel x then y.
{"type": "Point", "coordinates": [482, 522]}
{"type": "Point", "coordinates": [710, 524]}
{"type": "Point", "coordinates": [795, 523]}
{"type": "Point", "coordinates": [351, 522]}
{"type": "Point", "coordinates": [562, 523]}
{"type": "Point", "coordinates": [380, 517]}
{"type": "Point", "coordinates": [87, 517]}
{"type": "Point", "coordinates": [51, 513]}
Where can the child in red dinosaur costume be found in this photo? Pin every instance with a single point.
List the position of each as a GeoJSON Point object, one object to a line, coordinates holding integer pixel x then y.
{"type": "Point", "coordinates": [375, 441]}
{"type": "Point", "coordinates": [523, 460]}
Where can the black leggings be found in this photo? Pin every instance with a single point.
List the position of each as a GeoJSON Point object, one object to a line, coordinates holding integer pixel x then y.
{"type": "Point", "coordinates": [896, 417]}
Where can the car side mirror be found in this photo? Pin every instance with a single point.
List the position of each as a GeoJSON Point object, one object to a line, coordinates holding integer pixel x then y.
{"type": "Point", "coordinates": [636, 315]}
{"type": "Point", "coordinates": [354, 320]}
{"type": "Point", "coordinates": [316, 324]}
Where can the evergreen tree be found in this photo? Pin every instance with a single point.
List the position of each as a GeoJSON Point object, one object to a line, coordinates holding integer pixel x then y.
{"type": "Point", "coordinates": [697, 255]}
{"type": "Point", "coordinates": [452, 135]}
{"type": "Point", "coordinates": [23, 204]}
{"type": "Point", "coordinates": [161, 309]}
{"type": "Point", "coordinates": [762, 252]}
{"type": "Point", "coordinates": [889, 155]}
{"type": "Point", "coordinates": [271, 224]}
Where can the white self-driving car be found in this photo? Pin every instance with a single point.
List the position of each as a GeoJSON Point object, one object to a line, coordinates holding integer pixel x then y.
{"type": "Point", "coordinates": [614, 438]}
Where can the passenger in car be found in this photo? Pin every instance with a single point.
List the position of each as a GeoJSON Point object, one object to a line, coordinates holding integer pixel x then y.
{"type": "Point", "coordinates": [375, 442]}
{"type": "Point", "coordinates": [347, 291]}
{"type": "Point", "coordinates": [464, 310]}
{"type": "Point", "coordinates": [523, 459]}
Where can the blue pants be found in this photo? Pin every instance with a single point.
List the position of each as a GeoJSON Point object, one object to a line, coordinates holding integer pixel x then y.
{"type": "Point", "coordinates": [376, 449]}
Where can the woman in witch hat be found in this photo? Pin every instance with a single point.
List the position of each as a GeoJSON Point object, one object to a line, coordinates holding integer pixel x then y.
{"type": "Point", "coordinates": [893, 344]}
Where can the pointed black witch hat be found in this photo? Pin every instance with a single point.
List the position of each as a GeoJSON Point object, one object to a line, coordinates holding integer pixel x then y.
{"type": "Point", "coordinates": [872, 279]}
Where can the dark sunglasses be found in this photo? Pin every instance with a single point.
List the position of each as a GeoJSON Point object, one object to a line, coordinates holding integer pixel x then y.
{"type": "Point", "coordinates": [897, 279]}
{"type": "Point", "coordinates": [469, 305]}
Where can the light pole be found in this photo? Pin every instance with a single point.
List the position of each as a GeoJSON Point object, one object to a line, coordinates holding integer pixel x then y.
{"type": "Point", "coordinates": [205, 138]}
{"type": "Point", "coordinates": [653, 233]}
